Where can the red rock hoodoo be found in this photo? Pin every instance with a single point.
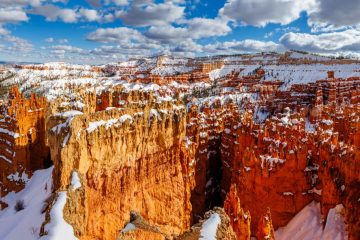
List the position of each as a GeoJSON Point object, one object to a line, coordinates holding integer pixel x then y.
{"type": "Point", "coordinates": [240, 142]}
{"type": "Point", "coordinates": [22, 139]}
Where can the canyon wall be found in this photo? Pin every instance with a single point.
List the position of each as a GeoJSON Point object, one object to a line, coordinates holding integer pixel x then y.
{"type": "Point", "coordinates": [310, 152]}
{"type": "Point", "coordinates": [127, 160]}
{"type": "Point", "coordinates": [22, 140]}
{"type": "Point", "coordinates": [138, 143]}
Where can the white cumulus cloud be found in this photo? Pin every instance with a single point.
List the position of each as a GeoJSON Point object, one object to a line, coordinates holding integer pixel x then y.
{"type": "Point", "coordinates": [348, 40]}
{"type": "Point", "coordinates": [262, 12]}
{"type": "Point", "coordinates": [151, 14]}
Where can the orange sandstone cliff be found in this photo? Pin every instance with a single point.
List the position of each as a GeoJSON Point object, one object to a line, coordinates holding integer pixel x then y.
{"type": "Point", "coordinates": [22, 139]}
{"type": "Point", "coordinates": [127, 161]}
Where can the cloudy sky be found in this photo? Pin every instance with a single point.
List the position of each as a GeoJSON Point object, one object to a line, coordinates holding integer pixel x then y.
{"type": "Point", "coordinates": [99, 31]}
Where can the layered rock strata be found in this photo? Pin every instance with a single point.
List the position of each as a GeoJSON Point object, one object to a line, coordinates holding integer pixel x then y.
{"type": "Point", "coordinates": [244, 136]}
{"type": "Point", "coordinates": [22, 140]}
{"type": "Point", "coordinates": [137, 154]}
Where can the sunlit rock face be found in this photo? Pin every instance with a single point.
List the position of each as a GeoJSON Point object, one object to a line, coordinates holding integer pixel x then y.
{"type": "Point", "coordinates": [127, 161]}
{"type": "Point", "coordinates": [231, 147]}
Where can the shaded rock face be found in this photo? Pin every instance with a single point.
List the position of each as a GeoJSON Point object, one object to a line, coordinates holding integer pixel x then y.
{"type": "Point", "coordinates": [339, 166]}
{"type": "Point", "coordinates": [134, 161]}
{"type": "Point", "coordinates": [268, 167]}
{"type": "Point", "coordinates": [22, 140]}
{"type": "Point", "coordinates": [204, 127]}
{"type": "Point", "coordinates": [284, 165]}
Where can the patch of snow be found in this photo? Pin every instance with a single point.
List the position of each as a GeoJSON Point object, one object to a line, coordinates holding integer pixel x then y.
{"type": "Point", "coordinates": [297, 55]}
{"type": "Point", "coordinates": [5, 158]}
{"type": "Point", "coordinates": [227, 131]}
{"type": "Point", "coordinates": [335, 224]}
{"type": "Point", "coordinates": [58, 228]}
{"type": "Point", "coordinates": [247, 169]}
{"type": "Point", "coordinates": [260, 116]}
{"type": "Point", "coordinates": [288, 193]}
{"type": "Point", "coordinates": [70, 113]}
{"type": "Point", "coordinates": [108, 123]}
{"type": "Point", "coordinates": [327, 122]}
{"type": "Point", "coordinates": [270, 160]}
{"type": "Point", "coordinates": [94, 125]}
{"type": "Point", "coordinates": [125, 117]}
{"type": "Point", "coordinates": [222, 72]}
{"type": "Point", "coordinates": [26, 224]}
{"type": "Point", "coordinates": [17, 177]}
{"type": "Point", "coordinates": [75, 180]}
{"type": "Point", "coordinates": [209, 227]}
{"type": "Point", "coordinates": [303, 74]}
{"type": "Point", "coordinates": [10, 133]}
{"type": "Point", "coordinates": [309, 127]}
{"type": "Point", "coordinates": [128, 228]}
{"type": "Point", "coordinates": [171, 70]}
{"type": "Point", "coordinates": [154, 112]}
{"type": "Point", "coordinates": [66, 139]}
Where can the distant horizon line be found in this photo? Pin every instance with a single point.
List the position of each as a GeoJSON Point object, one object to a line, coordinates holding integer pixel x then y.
{"type": "Point", "coordinates": [4, 62]}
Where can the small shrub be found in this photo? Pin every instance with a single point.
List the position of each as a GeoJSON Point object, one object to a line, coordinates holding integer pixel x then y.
{"type": "Point", "coordinates": [19, 205]}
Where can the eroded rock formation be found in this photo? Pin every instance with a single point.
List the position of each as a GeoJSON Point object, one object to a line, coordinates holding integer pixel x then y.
{"type": "Point", "coordinates": [240, 220]}
{"type": "Point", "coordinates": [176, 139]}
{"type": "Point", "coordinates": [22, 139]}
{"type": "Point", "coordinates": [136, 154]}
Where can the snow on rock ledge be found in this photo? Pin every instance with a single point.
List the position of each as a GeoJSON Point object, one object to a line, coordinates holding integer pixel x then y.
{"type": "Point", "coordinates": [26, 224]}
{"type": "Point", "coordinates": [209, 227]}
{"type": "Point", "coordinates": [75, 181]}
{"type": "Point", "coordinates": [58, 228]}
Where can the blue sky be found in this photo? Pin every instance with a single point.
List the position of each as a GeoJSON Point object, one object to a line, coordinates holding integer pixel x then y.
{"type": "Point", "coordinates": [100, 31]}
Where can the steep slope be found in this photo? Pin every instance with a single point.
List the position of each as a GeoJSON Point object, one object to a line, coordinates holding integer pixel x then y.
{"type": "Point", "coordinates": [18, 223]}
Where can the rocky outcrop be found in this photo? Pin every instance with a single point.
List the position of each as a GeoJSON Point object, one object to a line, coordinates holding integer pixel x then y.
{"type": "Point", "coordinates": [338, 163]}
{"type": "Point", "coordinates": [265, 227]}
{"type": "Point", "coordinates": [240, 220]}
{"type": "Point", "coordinates": [204, 126]}
{"type": "Point", "coordinates": [22, 139]}
{"type": "Point", "coordinates": [221, 229]}
{"type": "Point", "coordinates": [140, 229]}
{"type": "Point", "coordinates": [126, 160]}
{"type": "Point", "coordinates": [261, 159]}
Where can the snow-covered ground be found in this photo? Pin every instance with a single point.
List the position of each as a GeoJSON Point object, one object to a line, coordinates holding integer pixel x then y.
{"type": "Point", "coordinates": [306, 225]}
{"type": "Point", "coordinates": [171, 70]}
{"type": "Point", "coordinates": [58, 228]}
{"type": "Point", "coordinates": [60, 79]}
{"type": "Point", "coordinates": [297, 55]}
{"type": "Point", "coordinates": [26, 224]}
{"type": "Point", "coordinates": [303, 74]}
